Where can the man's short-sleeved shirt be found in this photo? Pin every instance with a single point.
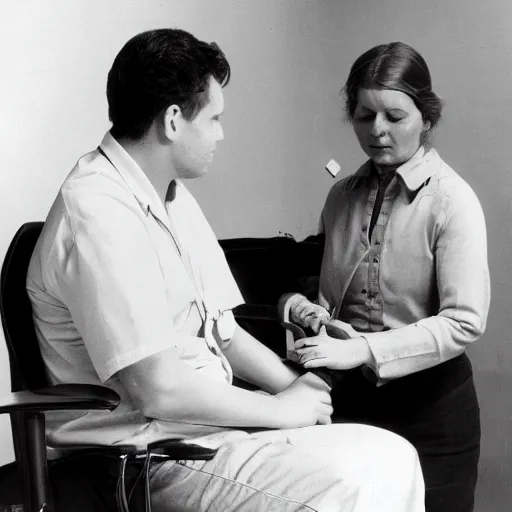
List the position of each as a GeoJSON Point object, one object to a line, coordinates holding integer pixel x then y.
{"type": "Point", "coordinates": [118, 276]}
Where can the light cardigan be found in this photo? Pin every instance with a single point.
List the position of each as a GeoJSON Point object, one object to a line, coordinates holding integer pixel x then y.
{"type": "Point", "coordinates": [428, 275]}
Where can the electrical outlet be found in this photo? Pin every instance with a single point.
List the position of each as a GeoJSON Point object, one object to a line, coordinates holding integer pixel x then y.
{"type": "Point", "coordinates": [333, 167]}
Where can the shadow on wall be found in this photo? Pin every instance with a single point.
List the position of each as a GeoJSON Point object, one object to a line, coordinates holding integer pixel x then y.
{"type": "Point", "coordinates": [494, 491]}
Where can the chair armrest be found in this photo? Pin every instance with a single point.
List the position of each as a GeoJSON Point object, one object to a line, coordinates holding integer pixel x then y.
{"type": "Point", "coordinates": [173, 449]}
{"type": "Point", "coordinates": [61, 396]}
{"type": "Point", "coordinates": [177, 449]}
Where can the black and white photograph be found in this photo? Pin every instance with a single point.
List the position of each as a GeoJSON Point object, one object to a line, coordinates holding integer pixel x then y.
{"type": "Point", "coordinates": [255, 256]}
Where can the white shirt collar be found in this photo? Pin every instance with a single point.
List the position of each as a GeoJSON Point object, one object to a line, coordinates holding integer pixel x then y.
{"type": "Point", "coordinates": [131, 173]}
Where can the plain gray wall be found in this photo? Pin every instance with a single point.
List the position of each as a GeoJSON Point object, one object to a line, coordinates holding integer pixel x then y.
{"type": "Point", "coordinates": [283, 122]}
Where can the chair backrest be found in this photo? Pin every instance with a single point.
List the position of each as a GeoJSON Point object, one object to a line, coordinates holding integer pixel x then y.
{"type": "Point", "coordinates": [27, 367]}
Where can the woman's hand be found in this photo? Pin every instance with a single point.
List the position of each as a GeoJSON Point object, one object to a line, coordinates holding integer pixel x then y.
{"type": "Point", "coordinates": [308, 314]}
{"type": "Point", "coordinates": [340, 330]}
{"type": "Point", "coordinates": [324, 351]}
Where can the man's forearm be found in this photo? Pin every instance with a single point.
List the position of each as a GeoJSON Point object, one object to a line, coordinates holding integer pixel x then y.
{"type": "Point", "coordinates": [255, 363]}
{"type": "Point", "coordinates": [163, 387]}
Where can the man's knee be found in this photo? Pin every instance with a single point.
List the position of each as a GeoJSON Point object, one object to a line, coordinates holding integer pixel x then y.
{"type": "Point", "coordinates": [393, 454]}
{"type": "Point", "coordinates": [367, 453]}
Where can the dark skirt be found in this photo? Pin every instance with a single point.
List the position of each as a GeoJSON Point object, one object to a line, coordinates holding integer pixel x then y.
{"type": "Point", "coordinates": [437, 411]}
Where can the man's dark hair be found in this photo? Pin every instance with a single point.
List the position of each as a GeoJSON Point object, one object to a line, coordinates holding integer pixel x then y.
{"type": "Point", "coordinates": [156, 69]}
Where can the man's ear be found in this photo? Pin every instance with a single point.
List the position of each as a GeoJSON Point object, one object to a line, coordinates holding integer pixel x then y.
{"type": "Point", "coordinates": [173, 122]}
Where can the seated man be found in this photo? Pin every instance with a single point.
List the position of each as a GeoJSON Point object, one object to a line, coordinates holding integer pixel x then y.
{"type": "Point", "coordinates": [130, 289]}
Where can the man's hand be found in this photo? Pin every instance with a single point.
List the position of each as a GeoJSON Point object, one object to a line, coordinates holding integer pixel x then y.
{"type": "Point", "coordinates": [308, 314]}
{"type": "Point", "coordinates": [306, 402]}
{"type": "Point", "coordinates": [336, 354]}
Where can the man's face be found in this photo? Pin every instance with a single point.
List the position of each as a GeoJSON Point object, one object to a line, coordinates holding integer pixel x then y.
{"type": "Point", "coordinates": [194, 148]}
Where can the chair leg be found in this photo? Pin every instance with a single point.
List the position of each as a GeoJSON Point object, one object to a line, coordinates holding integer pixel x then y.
{"type": "Point", "coordinates": [36, 485]}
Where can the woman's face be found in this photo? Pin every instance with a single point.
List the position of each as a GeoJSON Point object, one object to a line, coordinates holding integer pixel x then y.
{"type": "Point", "coordinates": [388, 126]}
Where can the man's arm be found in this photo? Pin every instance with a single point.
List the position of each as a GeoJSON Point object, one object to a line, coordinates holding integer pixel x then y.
{"type": "Point", "coordinates": [124, 319]}
{"type": "Point", "coordinates": [165, 388]}
{"type": "Point", "coordinates": [255, 363]}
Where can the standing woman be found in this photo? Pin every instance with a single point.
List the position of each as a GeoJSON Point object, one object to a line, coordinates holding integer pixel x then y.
{"type": "Point", "coordinates": [405, 273]}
